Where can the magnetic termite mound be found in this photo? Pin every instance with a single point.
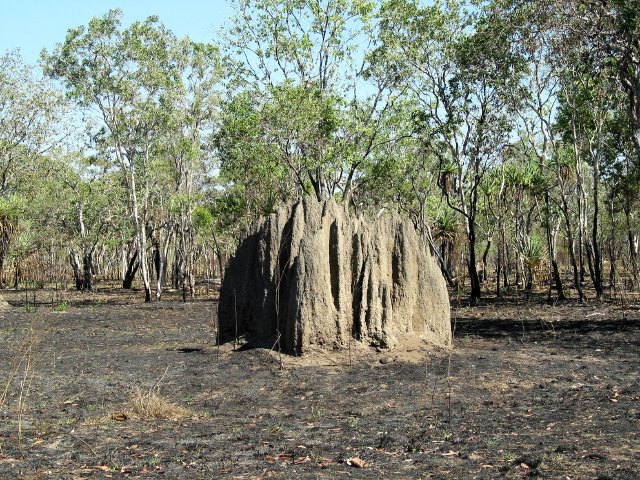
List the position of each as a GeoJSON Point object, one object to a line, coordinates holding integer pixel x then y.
{"type": "Point", "coordinates": [312, 274]}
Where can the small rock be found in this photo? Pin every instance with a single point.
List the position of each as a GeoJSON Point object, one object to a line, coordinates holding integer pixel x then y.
{"type": "Point", "coordinates": [356, 462]}
{"type": "Point", "coordinates": [385, 360]}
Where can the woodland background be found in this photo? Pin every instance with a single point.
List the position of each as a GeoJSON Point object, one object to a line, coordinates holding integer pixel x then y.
{"type": "Point", "coordinates": [507, 130]}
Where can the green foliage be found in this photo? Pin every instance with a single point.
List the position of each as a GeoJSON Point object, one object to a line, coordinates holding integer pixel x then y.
{"type": "Point", "coordinates": [504, 120]}
{"type": "Point", "coordinates": [156, 98]}
{"type": "Point", "coordinates": [523, 176]}
{"type": "Point", "coordinates": [249, 154]}
{"type": "Point", "coordinates": [12, 207]}
{"type": "Point", "coordinates": [24, 242]}
{"type": "Point", "coordinates": [446, 225]}
{"type": "Point", "coordinates": [298, 110]}
{"type": "Point", "coordinates": [202, 218]}
{"type": "Point", "coordinates": [61, 307]}
{"type": "Point", "coordinates": [31, 121]}
{"type": "Point", "coordinates": [534, 253]}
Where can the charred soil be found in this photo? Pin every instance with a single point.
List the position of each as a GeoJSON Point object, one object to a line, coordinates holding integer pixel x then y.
{"type": "Point", "coordinates": [107, 387]}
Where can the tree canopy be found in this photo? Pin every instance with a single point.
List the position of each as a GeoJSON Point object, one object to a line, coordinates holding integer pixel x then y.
{"type": "Point", "coordinates": [508, 131]}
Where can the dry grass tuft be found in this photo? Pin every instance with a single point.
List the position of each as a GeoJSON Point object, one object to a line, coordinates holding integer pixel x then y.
{"type": "Point", "coordinates": [97, 421]}
{"type": "Point", "coordinates": [151, 405]}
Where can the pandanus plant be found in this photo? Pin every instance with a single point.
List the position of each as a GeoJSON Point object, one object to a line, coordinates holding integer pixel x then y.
{"type": "Point", "coordinates": [533, 256]}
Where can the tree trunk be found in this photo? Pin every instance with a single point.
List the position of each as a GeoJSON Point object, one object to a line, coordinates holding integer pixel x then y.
{"type": "Point", "coordinates": [161, 252]}
{"type": "Point", "coordinates": [130, 273]}
{"type": "Point", "coordinates": [426, 232]}
{"type": "Point", "coordinates": [218, 252]}
{"type": "Point", "coordinates": [141, 242]}
{"type": "Point", "coordinates": [1, 271]}
{"type": "Point", "coordinates": [17, 273]}
{"type": "Point", "coordinates": [444, 263]}
{"type": "Point", "coordinates": [157, 261]}
{"type": "Point", "coordinates": [471, 264]}
{"type": "Point", "coordinates": [499, 259]}
{"type": "Point", "coordinates": [485, 254]}
{"type": "Point", "coordinates": [551, 234]}
{"type": "Point", "coordinates": [506, 260]}
{"type": "Point", "coordinates": [528, 281]}
{"type": "Point", "coordinates": [176, 269]}
{"type": "Point", "coordinates": [319, 183]}
{"type": "Point", "coordinates": [581, 229]}
{"type": "Point", "coordinates": [633, 245]}
{"type": "Point", "coordinates": [87, 270]}
{"type": "Point", "coordinates": [571, 249]}
{"type": "Point", "coordinates": [612, 249]}
{"type": "Point", "coordinates": [74, 261]}
{"type": "Point", "coordinates": [557, 278]}
{"type": "Point", "coordinates": [138, 221]}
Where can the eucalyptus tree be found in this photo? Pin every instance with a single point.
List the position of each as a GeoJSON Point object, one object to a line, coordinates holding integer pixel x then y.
{"type": "Point", "coordinates": [88, 217]}
{"type": "Point", "coordinates": [11, 210]}
{"type": "Point", "coordinates": [623, 193]}
{"type": "Point", "coordinates": [581, 117]}
{"type": "Point", "coordinates": [493, 212]}
{"type": "Point", "coordinates": [457, 73]}
{"type": "Point", "coordinates": [575, 124]}
{"type": "Point", "coordinates": [529, 29]}
{"type": "Point", "coordinates": [304, 104]}
{"type": "Point", "coordinates": [553, 58]}
{"type": "Point", "coordinates": [32, 124]}
{"type": "Point", "coordinates": [96, 203]}
{"type": "Point", "coordinates": [603, 85]}
{"type": "Point", "coordinates": [582, 55]}
{"type": "Point", "coordinates": [183, 150]}
{"type": "Point", "coordinates": [129, 77]}
{"type": "Point", "coordinates": [609, 34]}
{"type": "Point", "coordinates": [495, 209]}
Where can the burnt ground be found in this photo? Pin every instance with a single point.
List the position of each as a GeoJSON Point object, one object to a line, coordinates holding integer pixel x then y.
{"type": "Point", "coordinates": [529, 391]}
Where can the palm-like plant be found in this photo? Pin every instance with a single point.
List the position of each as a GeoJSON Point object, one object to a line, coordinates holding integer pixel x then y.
{"type": "Point", "coordinates": [446, 226]}
{"type": "Point", "coordinates": [533, 256]}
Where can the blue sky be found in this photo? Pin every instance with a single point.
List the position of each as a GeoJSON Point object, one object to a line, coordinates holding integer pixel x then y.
{"type": "Point", "coordinates": [32, 25]}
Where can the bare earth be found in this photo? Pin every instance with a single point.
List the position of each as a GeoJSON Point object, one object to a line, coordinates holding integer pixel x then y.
{"type": "Point", "coordinates": [529, 390]}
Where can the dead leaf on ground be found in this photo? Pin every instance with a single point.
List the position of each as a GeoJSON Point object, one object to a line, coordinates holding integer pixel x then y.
{"type": "Point", "coordinates": [286, 458]}
{"type": "Point", "coordinates": [450, 453]}
{"type": "Point", "coordinates": [81, 472]}
{"type": "Point", "coordinates": [119, 416]}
